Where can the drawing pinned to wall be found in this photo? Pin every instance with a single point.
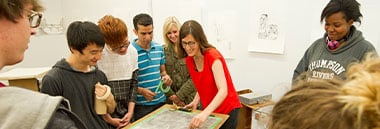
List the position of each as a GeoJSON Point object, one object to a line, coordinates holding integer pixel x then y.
{"type": "Point", "coordinates": [267, 26]}
{"type": "Point", "coordinates": [52, 27]}
{"type": "Point", "coordinates": [221, 31]}
{"type": "Point", "coordinates": [267, 31]}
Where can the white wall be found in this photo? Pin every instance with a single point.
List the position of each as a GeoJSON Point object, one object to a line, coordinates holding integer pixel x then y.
{"type": "Point", "coordinates": [257, 71]}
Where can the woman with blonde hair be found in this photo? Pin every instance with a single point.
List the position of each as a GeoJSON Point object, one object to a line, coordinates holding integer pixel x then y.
{"type": "Point", "coordinates": [182, 91]}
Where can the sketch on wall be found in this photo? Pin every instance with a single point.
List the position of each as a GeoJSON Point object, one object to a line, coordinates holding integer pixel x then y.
{"type": "Point", "coordinates": [123, 9]}
{"type": "Point", "coordinates": [49, 27]}
{"type": "Point", "coordinates": [221, 31]}
{"type": "Point", "coordinates": [267, 31]}
{"type": "Point", "coordinates": [267, 26]}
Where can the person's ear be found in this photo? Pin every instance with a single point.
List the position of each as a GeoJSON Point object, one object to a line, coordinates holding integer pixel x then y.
{"type": "Point", "coordinates": [135, 31]}
{"type": "Point", "coordinates": [73, 50]}
{"type": "Point", "coordinates": [351, 22]}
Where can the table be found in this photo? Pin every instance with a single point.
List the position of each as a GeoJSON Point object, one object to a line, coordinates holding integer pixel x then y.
{"type": "Point", "coordinates": [25, 77]}
{"type": "Point", "coordinates": [166, 117]}
{"type": "Point", "coordinates": [245, 113]}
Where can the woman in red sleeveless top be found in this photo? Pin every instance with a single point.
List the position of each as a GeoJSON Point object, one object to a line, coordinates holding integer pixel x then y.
{"type": "Point", "coordinates": [209, 72]}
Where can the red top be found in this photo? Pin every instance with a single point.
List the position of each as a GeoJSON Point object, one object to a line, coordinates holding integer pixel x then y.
{"type": "Point", "coordinates": [2, 84]}
{"type": "Point", "coordinates": [205, 83]}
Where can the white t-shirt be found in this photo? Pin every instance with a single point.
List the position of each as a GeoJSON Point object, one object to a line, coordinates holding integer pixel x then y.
{"type": "Point", "coordinates": [118, 67]}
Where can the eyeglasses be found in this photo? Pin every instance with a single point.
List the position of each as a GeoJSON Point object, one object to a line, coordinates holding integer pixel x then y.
{"type": "Point", "coordinates": [190, 44]}
{"type": "Point", "coordinates": [124, 45]}
{"type": "Point", "coordinates": [34, 19]}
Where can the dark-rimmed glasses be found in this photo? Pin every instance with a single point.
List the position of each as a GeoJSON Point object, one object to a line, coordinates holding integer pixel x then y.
{"type": "Point", "coordinates": [190, 44]}
{"type": "Point", "coordinates": [124, 45]}
{"type": "Point", "coordinates": [34, 18]}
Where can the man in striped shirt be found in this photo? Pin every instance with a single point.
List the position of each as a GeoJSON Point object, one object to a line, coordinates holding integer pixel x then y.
{"type": "Point", "coordinates": [151, 63]}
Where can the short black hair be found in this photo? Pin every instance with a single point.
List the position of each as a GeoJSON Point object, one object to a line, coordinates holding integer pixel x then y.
{"type": "Point", "coordinates": [81, 34]}
{"type": "Point", "coordinates": [142, 19]}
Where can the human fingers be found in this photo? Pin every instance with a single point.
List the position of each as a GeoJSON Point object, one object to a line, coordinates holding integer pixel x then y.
{"type": "Point", "coordinates": [194, 124]}
{"type": "Point", "coordinates": [100, 90]}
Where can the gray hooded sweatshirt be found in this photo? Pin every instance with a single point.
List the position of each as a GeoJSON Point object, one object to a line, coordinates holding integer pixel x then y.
{"type": "Point", "coordinates": [25, 109]}
{"type": "Point", "coordinates": [322, 63]}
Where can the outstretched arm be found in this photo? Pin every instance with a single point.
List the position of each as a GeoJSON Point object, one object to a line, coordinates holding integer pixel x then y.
{"type": "Point", "coordinates": [221, 84]}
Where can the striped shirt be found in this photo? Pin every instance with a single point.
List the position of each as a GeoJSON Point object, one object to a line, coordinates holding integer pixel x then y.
{"type": "Point", "coordinates": [149, 63]}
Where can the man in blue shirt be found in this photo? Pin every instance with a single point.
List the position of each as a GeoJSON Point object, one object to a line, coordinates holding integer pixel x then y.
{"type": "Point", "coordinates": [151, 63]}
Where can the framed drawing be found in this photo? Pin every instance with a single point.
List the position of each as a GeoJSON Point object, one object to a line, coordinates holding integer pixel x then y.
{"type": "Point", "coordinates": [268, 26]}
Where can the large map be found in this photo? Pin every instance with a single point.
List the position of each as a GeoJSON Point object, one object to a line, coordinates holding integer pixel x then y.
{"type": "Point", "coordinates": [168, 118]}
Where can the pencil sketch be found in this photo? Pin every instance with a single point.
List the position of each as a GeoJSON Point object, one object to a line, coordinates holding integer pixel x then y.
{"type": "Point", "coordinates": [267, 26]}
{"type": "Point", "coordinates": [222, 32]}
{"type": "Point", "coordinates": [267, 31]}
{"type": "Point", "coordinates": [222, 42]}
{"type": "Point", "coordinates": [174, 119]}
{"type": "Point", "coordinates": [52, 28]}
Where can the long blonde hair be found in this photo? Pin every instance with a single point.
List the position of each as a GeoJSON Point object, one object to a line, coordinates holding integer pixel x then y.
{"type": "Point", "coordinates": [169, 22]}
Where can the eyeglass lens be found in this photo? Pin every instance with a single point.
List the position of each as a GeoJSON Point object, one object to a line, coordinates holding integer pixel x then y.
{"type": "Point", "coordinates": [35, 19]}
{"type": "Point", "coordinates": [190, 44]}
{"type": "Point", "coordinates": [125, 45]}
